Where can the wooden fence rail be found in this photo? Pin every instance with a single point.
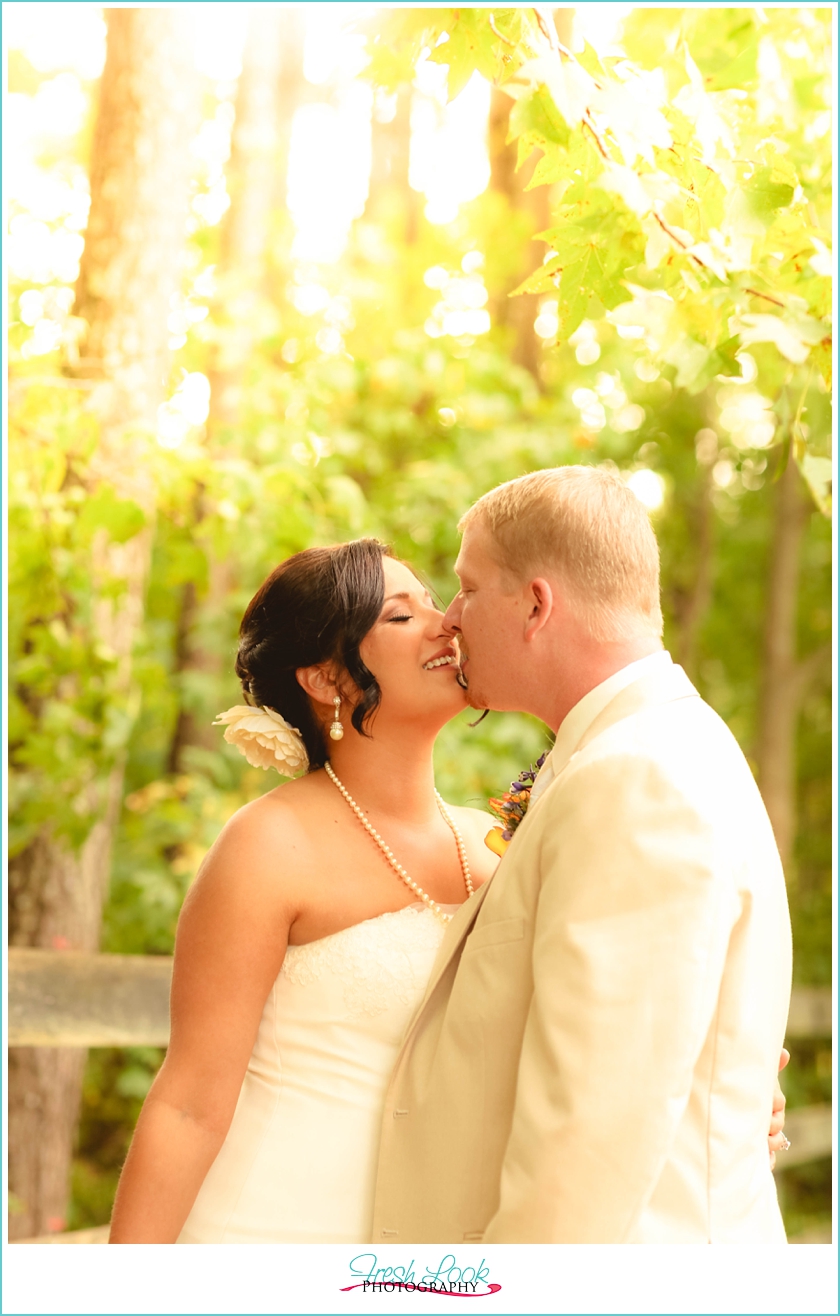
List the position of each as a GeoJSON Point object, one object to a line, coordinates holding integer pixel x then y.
{"type": "Point", "coordinates": [810, 1130]}
{"type": "Point", "coordinates": [810, 1013]}
{"type": "Point", "coordinates": [69, 998]}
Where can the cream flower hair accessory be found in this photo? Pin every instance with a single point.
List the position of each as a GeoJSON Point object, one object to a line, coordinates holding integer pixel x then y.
{"type": "Point", "coordinates": [265, 738]}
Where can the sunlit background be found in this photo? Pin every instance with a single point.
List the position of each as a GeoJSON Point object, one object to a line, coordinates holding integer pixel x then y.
{"type": "Point", "coordinates": [448, 167]}
{"type": "Point", "coordinates": [370, 373]}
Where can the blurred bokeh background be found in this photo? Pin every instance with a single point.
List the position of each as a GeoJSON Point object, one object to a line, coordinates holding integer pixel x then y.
{"type": "Point", "coordinates": [260, 263]}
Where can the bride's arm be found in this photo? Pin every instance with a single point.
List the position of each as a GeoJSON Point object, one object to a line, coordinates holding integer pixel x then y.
{"type": "Point", "coordinates": [232, 937]}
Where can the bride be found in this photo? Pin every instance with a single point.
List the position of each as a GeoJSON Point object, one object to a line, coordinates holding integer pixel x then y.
{"type": "Point", "coordinates": [306, 941]}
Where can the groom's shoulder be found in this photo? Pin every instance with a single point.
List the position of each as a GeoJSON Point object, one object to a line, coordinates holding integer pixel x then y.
{"type": "Point", "coordinates": [684, 741]}
{"type": "Point", "coordinates": [678, 730]}
{"type": "Point", "coordinates": [660, 722]}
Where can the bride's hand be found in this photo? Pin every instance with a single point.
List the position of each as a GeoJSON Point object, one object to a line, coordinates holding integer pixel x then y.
{"type": "Point", "coordinates": [777, 1140]}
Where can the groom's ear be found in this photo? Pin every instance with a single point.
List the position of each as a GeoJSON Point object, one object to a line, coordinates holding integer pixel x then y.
{"type": "Point", "coordinates": [540, 602]}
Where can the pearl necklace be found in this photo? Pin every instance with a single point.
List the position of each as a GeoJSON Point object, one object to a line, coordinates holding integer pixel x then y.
{"type": "Point", "coordinates": [388, 853]}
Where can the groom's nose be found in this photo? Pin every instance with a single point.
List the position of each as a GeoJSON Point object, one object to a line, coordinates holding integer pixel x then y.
{"type": "Point", "coordinates": [452, 617]}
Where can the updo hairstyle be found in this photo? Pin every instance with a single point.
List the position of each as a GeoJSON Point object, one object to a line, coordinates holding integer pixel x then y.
{"type": "Point", "coordinates": [316, 607]}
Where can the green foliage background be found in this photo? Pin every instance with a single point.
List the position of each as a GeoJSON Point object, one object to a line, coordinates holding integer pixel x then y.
{"type": "Point", "coordinates": [395, 436]}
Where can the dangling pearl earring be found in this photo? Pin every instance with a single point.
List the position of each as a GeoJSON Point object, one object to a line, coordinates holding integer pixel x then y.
{"type": "Point", "coordinates": [336, 730]}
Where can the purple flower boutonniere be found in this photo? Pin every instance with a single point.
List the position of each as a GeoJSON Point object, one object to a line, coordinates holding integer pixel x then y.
{"type": "Point", "coordinates": [511, 808]}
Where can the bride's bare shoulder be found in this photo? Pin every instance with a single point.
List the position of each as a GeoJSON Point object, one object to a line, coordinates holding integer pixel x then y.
{"type": "Point", "coordinates": [274, 834]}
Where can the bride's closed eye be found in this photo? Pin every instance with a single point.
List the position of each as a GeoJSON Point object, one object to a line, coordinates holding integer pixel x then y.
{"type": "Point", "coordinates": [401, 617]}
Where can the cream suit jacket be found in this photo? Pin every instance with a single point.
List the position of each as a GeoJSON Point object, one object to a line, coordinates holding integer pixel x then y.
{"type": "Point", "coordinates": [595, 1056]}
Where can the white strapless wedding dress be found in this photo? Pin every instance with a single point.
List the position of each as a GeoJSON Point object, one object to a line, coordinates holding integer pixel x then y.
{"type": "Point", "coordinates": [298, 1164]}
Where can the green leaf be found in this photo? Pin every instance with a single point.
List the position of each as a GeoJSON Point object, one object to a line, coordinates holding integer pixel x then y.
{"type": "Point", "coordinates": [689, 357]}
{"type": "Point", "coordinates": [818, 476]}
{"type": "Point", "coordinates": [724, 357]}
{"type": "Point", "coordinates": [808, 91]}
{"type": "Point", "coordinates": [571, 311]}
{"type": "Point", "coordinates": [553, 167]}
{"type": "Point", "coordinates": [582, 279]}
{"type": "Point", "coordinates": [590, 60]}
{"type": "Point", "coordinates": [766, 192]}
{"type": "Point", "coordinates": [472, 47]}
{"type": "Point", "coordinates": [391, 69]}
{"type": "Point", "coordinates": [821, 356]}
{"type": "Point", "coordinates": [737, 72]}
{"type": "Point", "coordinates": [720, 360]}
{"type": "Point", "coordinates": [121, 517]}
{"type": "Point", "coordinates": [613, 293]}
{"type": "Point", "coordinates": [543, 279]}
{"type": "Point", "coordinates": [538, 118]}
{"type": "Point", "coordinates": [397, 44]}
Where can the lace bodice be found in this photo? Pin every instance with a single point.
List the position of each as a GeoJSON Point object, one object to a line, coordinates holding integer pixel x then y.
{"type": "Point", "coordinates": [298, 1164]}
{"type": "Point", "coordinates": [375, 963]}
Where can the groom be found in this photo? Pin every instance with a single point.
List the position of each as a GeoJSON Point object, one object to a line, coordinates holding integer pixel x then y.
{"type": "Point", "coordinates": [595, 1056]}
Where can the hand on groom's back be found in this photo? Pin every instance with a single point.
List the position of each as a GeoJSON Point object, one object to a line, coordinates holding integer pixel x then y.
{"type": "Point", "coordinates": [777, 1140]}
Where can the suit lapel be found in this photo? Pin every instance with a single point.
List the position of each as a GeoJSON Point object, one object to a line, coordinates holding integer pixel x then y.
{"type": "Point", "coordinates": [645, 693]}
{"type": "Point", "coordinates": [457, 931]}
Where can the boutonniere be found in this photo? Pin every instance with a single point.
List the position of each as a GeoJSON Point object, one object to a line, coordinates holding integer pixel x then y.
{"type": "Point", "coordinates": [511, 808]}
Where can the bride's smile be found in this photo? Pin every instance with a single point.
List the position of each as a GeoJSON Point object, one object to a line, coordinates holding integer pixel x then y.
{"type": "Point", "coordinates": [445, 659]}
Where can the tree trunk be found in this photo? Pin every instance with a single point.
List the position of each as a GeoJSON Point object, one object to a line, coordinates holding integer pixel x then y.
{"type": "Point", "coordinates": [692, 605]}
{"type": "Point", "coordinates": [269, 92]}
{"type": "Point", "coordinates": [520, 312]}
{"type": "Point", "coordinates": [271, 87]}
{"type": "Point", "coordinates": [390, 190]}
{"type": "Point", "coordinates": [198, 653]}
{"type": "Point", "coordinates": [188, 729]}
{"type": "Point", "coordinates": [783, 677]}
{"type": "Point", "coordinates": [131, 266]}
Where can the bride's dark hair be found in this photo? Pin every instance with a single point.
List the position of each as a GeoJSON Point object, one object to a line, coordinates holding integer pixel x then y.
{"type": "Point", "coordinates": [316, 607]}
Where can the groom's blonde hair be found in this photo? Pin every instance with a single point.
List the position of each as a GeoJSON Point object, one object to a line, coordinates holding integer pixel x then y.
{"type": "Point", "coordinates": [584, 524]}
